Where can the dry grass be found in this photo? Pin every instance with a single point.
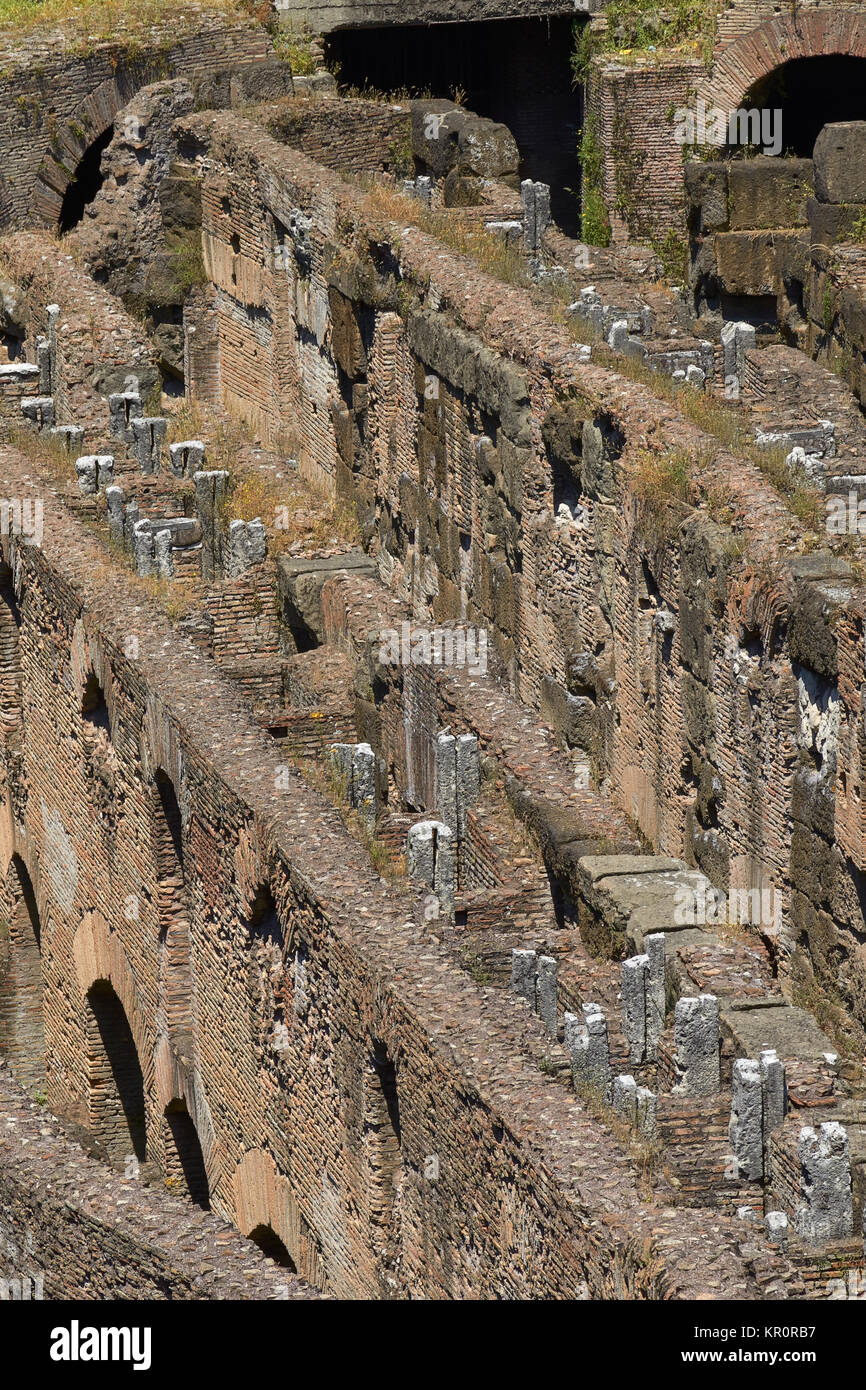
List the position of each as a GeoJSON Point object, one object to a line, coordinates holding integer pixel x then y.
{"type": "Point", "coordinates": [94, 21]}
{"type": "Point", "coordinates": [175, 601]}
{"type": "Point", "coordinates": [723, 422]}
{"type": "Point", "coordinates": [488, 251]}
{"type": "Point", "coordinates": [292, 511]}
{"type": "Point", "coordinates": [718, 419]}
{"type": "Point", "coordinates": [644, 1154]}
{"type": "Point", "coordinates": [326, 778]}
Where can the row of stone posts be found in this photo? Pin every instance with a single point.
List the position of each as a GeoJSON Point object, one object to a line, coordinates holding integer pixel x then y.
{"type": "Point", "coordinates": [150, 542]}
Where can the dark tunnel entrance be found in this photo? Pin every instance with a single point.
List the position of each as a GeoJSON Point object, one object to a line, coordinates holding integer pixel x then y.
{"type": "Point", "coordinates": [516, 71]}
{"type": "Point", "coordinates": [86, 184]}
{"type": "Point", "coordinates": [811, 93]}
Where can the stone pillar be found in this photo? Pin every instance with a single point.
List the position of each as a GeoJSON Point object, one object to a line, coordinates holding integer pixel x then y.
{"type": "Point", "coordinates": [746, 1127]}
{"type": "Point", "coordinates": [655, 992]}
{"type": "Point", "coordinates": [523, 972]}
{"type": "Point", "coordinates": [210, 494]}
{"type": "Point", "coordinates": [774, 1091]}
{"type": "Point", "coordinates": [458, 778]}
{"type": "Point", "coordinates": [625, 1098]}
{"type": "Point", "coordinates": [587, 1043]}
{"type": "Point", "coordinates": [114, 503]}
{"type": "Point", "coordinates": [162, 561]}
{"type": "Point", "coordinates": [257, 542]}
{"type": "Point", "coordinates": [124, 407]}
{"type": "Point", "coordinates": [142, 548]}
{"type": "Point", "coordinates": [737, 339]}
{"type": "Point", "coordinates": [643, 1000]}
{"type": "Point", "coordinates": [43, 362]}
{"type": "Point", "coordinates": [536, 212]}
{"type": "Point", "coordinates": [633, 1003]}
{"type": "Point", "coordinates": [85, 470]}
{"type": "Point", "coordinates": [364, 781]}
{"type": "Point", "coordinates": [545, 992]}
{"type": "Point", "coordinates": [826, 1211]}
{"type": "Point", "coordinates": [52, 312]}
{"type": "Point", "coordinates": [70, 436]}
{"type": "Point", "coordinates": [430, 855]}
{"type": "Point", "coordinates": [357, 763]}
{"type": "Point", "coordinates": [130, 521]}
{"type": "Point", "coordinates": [696, 1034]}
{"type": "Point", "coordinates": [39, 410]}
{"type": "Point", "coordinates": [468, 778]}
{"type": "Point", "coordinates": [647, 1113]}
{"type": "Point", "coordinates": [95, 472]}
{"type": "Point", "coordinates": [149, 433]}
{"type": "Point", "coordinates": [186, 458]}
{"type": "Point", "coordinates": [445, 755]}
{"type": "Point", "coordinates": [247, 545]}
{"type": "Point", "coordinates": [237, 559]}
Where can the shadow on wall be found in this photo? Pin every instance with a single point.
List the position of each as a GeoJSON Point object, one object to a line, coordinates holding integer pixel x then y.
{"type": "Point", "coordinates": [86, 183]}
{"type": "Point", "coordinates": [22, 1035]}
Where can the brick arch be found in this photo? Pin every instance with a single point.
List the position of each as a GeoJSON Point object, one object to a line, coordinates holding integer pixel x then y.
{"type": "Point", "coordinates": [99, 956]}
{"type": "Point", "coordinates": [22, 1031]}
{"type": "Point", "coordinates": [90, 121]}
{"type": "Point", "coordinates": [264, 1198]}
{"type": "Point", "coordinates": [816, 34]}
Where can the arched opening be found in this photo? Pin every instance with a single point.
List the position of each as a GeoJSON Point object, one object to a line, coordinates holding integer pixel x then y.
{"type": "Point", "coordinates": [264, 974]}
{"type": "Point", "coordinates": [86, 183]}
{"type": "Point", "coordinates": [517, 71]}
{"type": "Point", "coordinates": [264, 923]}
{"type": "Point", "coordinates": [117, 1110]}
{"type": "Point", "coordinates": [168, 828]}
{"type": "Point", "coordinates": [270, 1244]}
{"type": "Point", "coordinates": [382, 1147]}
{"type": "Point", "coordinates": [22, 1032]}
{"type": "Point", "coordinates": [176, 984]}
{"type": "Point", "coordinates": [809, 93]}
{"type": "Point", "coordinates": [94, 710]}
{"type": "Point", "coordinates": [184, 1162]}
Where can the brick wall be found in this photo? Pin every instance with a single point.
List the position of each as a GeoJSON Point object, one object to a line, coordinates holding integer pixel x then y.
{"type": "Point", "coordinates": [91, 1234]}
{"type": "Point", "coordinates": [57, 101]}
{"type": "Point", "coordinates": [632, 110]}
{"type": "Point", "coordinates": [457, 485]}
{"type": "Point", "coordinates": [156, 974]}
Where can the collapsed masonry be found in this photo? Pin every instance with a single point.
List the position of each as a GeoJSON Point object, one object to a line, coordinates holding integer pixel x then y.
{"type": "Point", "coordinates": [342, 899]}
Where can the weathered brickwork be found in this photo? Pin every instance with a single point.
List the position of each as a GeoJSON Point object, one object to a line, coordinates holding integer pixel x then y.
{"type": "Point", "coordinates": [258, 1057]}
{"type": "Point", "coordinates": [411, 972]}
{"type": "Point", "coordinates": [56, 103]}
{"type": "Point", "coordinates": [698, 752]}
{"type": "Point", "coordinates": [85, 1232]}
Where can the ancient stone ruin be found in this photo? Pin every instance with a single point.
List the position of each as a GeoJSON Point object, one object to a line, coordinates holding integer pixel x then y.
{"type": "Point", "coordinates": [433, 651]}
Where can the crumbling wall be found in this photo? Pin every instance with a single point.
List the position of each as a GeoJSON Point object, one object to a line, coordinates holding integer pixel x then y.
{"type": "Point", "coordinates": [76, 1230]}
{"type": "Point", "coordinates": [322, 16]}
{"type": "Point", "coordinates": [505, 499]}
{"type": "Point", "coordinates": [631, 111]}
{"type": "Point", "coordinates": [285, 1045]}
{"type": "Point", "coordinates": [57, 101]}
